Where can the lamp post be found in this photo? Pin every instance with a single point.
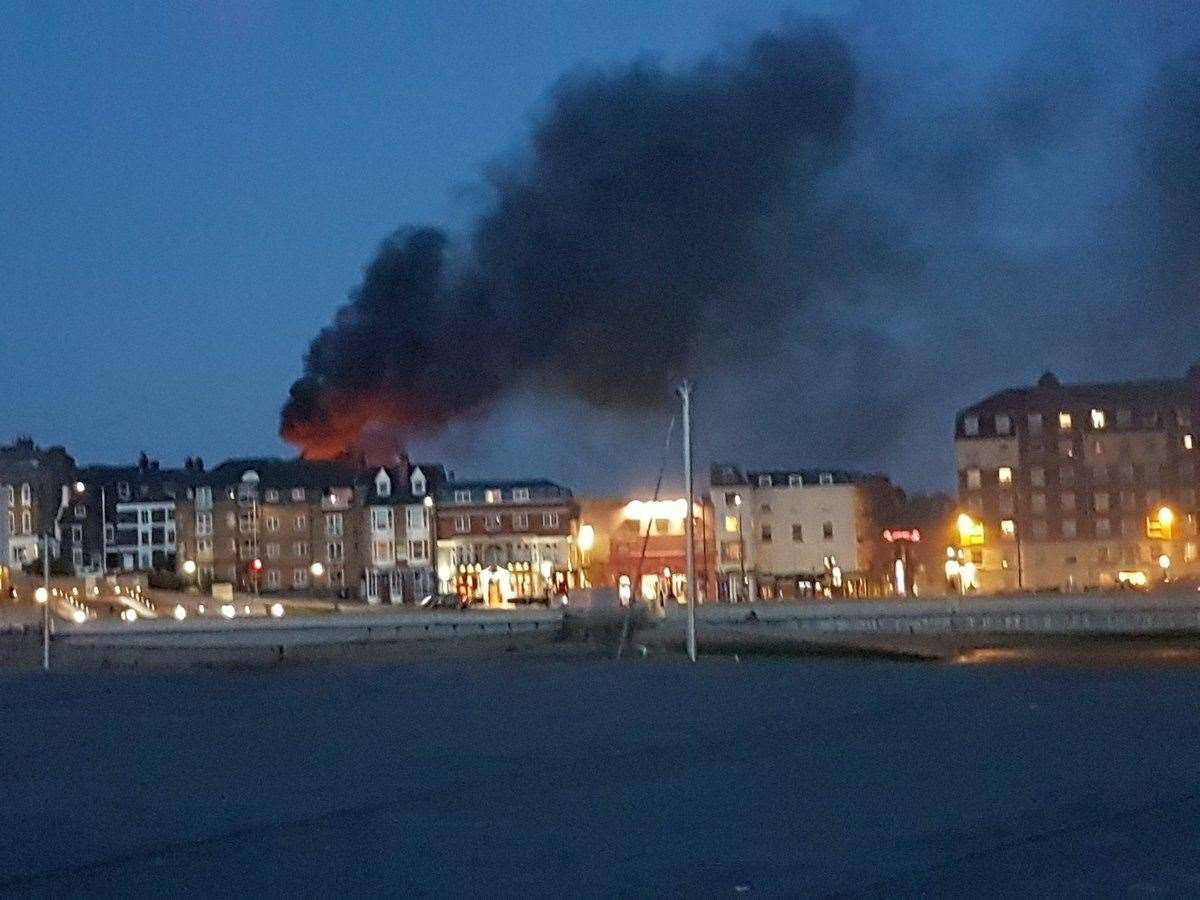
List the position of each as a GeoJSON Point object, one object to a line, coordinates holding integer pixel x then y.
{"type": "Point", "coordinates": [685, 396]}
{"type": "Point", "coordinates": [737, 501]}
{"type": "Point", "coordinates": [192, 571]}
{"type": "Point", "coordinates": [585, 542]}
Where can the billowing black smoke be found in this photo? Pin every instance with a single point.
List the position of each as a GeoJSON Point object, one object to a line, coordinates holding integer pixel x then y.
{"type": "Point", "coordinates": [843, 232]}
{"type": "Point", "coordinates": [634, 222]}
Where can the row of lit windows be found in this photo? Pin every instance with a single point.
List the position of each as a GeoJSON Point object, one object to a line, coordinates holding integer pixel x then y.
{"type": "Point", "coordinates": [733, 525]}
{"type": "Point", "coordinates": [520, 521]}
{"type": "Point", "coordinates": [1097, 418]}
{"type": "Point", "coordinates": [1126, 471]}
{"type": "Point", "coordinates": [492, 495]}
{"type": "Point", "coordinates": [1069, 528]}
{"type": "Point", "coordinates": [1102, 501]}
{"type": "Point", "coordinates": [26, 495]}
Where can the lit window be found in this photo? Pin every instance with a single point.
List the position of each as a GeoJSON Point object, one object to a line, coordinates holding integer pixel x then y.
{"type": "Point", "coordinates": [731, 524]}
{"type": "Point", "coordinates": [1005, 475]}
{"type": "Point", "coordinates": [1008, 528]}
{"type": "Point", "coordinates": [1187, 442]}
{"type": "Point", "coordinates": [492, 495]}
{"type": "Point", "coordinates": [1064, 420]}
{"type": "Point", "coordinates": [1098, 419]}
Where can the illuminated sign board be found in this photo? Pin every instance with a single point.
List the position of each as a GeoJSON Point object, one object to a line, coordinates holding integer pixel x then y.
{"type": "Point", "coordinates": [911, 535]}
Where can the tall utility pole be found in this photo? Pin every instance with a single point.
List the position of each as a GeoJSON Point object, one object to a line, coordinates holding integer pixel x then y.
{"type": "Point", "coordinates": [685, 394]}
{"type": "Point", "coordinates": [46, 605]}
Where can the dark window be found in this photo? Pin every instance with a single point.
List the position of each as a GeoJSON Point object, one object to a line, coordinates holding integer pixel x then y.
{"type": "Point", "coordinates": [797, 532]}
{"type": "Point", "coordinates": [827, 531]}
{"type": "Point", "coordinates": [766, 534]}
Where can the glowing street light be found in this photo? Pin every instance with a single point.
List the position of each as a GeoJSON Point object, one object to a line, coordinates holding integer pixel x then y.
{"type": "Point", "coordinates": [1165, 516]}
{"type": "Point", "coordinates": [189, 567]}
{"type": "Point", "coordinates": [317, 569]}
{"type": "Point", "coordinates": [587, 537]}
{"type": "Point", "coordinates": [41, 595]}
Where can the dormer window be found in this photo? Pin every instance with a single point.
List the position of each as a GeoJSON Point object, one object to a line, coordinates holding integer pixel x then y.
{"type": "Point", "coordinates": [418, 483]}
{"type": "Point", "coordinates": [461, 496]}
{"type": "Point", "coordinates": [971, 425]}
{"type": "Point", "coordinates": [521, 494]}
{"type": "Point", "coordinates": [795, 481]}
{"type": "Point", "coordinates": [383, 484]}
{"type": "Point", "coordinates": [493, 495]}
{"type": "Point", "coordinates": [826, 478]}
{"type": "Point", "coordinates": [764, 481]}
{"type": "Point", "coordinates": [123, 490]}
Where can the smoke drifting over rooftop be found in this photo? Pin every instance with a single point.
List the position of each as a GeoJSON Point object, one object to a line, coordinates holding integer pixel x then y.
{"type": "Point", "coordinates": [843, 229]}
{"type": "Point", "coordinates": [630, 221]}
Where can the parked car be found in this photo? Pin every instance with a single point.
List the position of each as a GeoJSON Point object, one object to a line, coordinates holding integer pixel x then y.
{"type": "Point", "coordinates": [443, 601]}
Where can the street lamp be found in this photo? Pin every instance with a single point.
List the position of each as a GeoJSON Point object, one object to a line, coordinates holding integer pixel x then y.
{"type": "Point", "coordinates": [737, 501]}
{"type": "Point", "coordinates": [1164, 563]}
{"type": "Point", "coordinates": [586, 541]}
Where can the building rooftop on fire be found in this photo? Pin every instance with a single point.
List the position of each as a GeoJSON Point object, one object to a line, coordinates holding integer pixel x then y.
{"type": "Point", "coordinates": [1143, 404]}
{"type": "Point", "coordinates": [724, 475]}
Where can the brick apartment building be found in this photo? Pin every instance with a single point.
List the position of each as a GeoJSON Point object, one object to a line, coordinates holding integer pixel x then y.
{"type": "Point", "coordinates": [797, 533]}
{"type": "Point", "coordinates": [499, 540]}
{"type": "Point", "coordinates": [266, 524]}
{"type": "Point", "coordinates": [1084, 485]}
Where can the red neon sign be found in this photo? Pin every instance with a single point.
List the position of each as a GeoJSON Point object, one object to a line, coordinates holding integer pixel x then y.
{"type": "Point", "coordinates": [911, 535]}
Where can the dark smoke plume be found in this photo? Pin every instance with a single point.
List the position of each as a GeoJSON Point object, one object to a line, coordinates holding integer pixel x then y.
{"type": "Point", "coordinates": [638, 218]}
